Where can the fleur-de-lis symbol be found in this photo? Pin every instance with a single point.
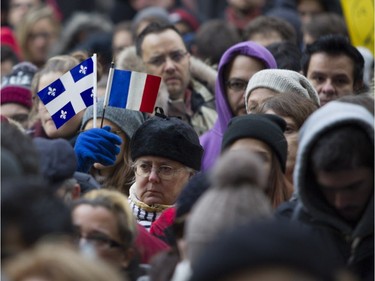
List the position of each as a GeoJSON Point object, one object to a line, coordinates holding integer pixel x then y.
{"type": "Point", "coordinates": [63, 114]}
{"type": "Point", "coordinates": [82, 69]}
{"type": "Point", "coordinates": [51, 91]}
{"type": "Point", "coordinates": [92, 93]}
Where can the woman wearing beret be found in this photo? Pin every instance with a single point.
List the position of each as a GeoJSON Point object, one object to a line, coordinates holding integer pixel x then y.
{"type": "Point", "coordinates": [166, 153]}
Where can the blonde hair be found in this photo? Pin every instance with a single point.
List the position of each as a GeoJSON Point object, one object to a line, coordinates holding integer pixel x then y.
{"type": "Point", "coordinates": [31, 18]}
{"type": "Point", "coordinates": [58, 263]}
{"type": "Point", "coordinates": [122, 176]}
{"type": "Point", "coordinates": [117, 203]}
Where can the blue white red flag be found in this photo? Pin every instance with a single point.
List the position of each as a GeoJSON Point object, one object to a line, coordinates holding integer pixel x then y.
{"type": "Point", "coordinates": [133, 90]}
{"type": "Point", "coordinates": [71, 93]}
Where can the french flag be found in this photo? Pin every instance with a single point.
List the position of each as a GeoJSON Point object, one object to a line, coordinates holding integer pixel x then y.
{"type": "Point", "coordinates": [133, 90]}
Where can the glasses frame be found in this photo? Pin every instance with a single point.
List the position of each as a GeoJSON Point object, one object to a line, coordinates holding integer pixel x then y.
{"type": "Point", "coordinates": [175, 56]}
{"type": "Point", "coordinates": [158, 171]}
{"type": "Point", "coordinates": [230, 84]}
{"type": "Point", "coordinates": [98, 240]}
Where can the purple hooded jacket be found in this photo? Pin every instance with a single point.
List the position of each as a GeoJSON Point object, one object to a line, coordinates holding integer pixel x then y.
{"type": "Point", "coordinates": [211, 140]}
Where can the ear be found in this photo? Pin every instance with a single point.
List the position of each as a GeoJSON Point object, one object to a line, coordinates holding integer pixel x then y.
{"type": "Point", "coordinates": [194, 50]}
{"type": "Point", "coordinates": [127, 257]}
{"type": "Point", "coordinates": [192, 174]}
{"type": "Point", "coordinates": [359, 85]}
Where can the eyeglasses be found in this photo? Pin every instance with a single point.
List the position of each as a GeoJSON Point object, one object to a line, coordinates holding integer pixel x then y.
{"type": "Point", "coordinates": [237, 85]}
{"type": "Point", "coordinates": [15, 6]}
{"type": "Point", "coordinates": [164, 172]}
{"type": "Point", "coordinates": [175, 56]}
{"type": "Point", "coordinates": [19, 117]}
{"type": "Point", "coordinates": [99, 240]}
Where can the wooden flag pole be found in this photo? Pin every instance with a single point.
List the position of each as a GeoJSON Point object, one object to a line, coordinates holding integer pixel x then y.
{"type": "Point", "coordinates": [94, 90]}
{"type": "Point", "coordinates": [107, 90]}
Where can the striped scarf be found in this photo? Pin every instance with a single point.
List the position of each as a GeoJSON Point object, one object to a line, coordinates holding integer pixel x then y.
{"type": "Point", "coordinates": [144, 213]}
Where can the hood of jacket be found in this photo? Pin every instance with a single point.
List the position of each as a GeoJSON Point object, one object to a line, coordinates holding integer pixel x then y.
{"type": "Point", "coordinates": [211, 141]}
{"type": "Point", "coordinates": [330, 116]}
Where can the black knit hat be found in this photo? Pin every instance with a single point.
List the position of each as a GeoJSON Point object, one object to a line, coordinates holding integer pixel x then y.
{"type": "Point", "coordinates": [268, 128]}
{"type": "Point", "coordinates": [167, 137]}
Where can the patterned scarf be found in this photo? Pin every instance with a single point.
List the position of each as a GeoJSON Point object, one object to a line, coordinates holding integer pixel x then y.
{"type": "Point", "coordinates": [145, 214]}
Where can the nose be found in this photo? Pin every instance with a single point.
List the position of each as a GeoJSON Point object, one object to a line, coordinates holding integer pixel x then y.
{"type": "Point", "coordinates": [86, 248]}
{"type": "Point", "coordinates": [153, 177]}
{"type": "Point", "coordinates": [341, 200]}
{"type": "Point", "coordinates": [169, 64]}
{"type": "Point", "coordinates": [328, 88]}
{"type": "Point", "coordinates": [81, 241]}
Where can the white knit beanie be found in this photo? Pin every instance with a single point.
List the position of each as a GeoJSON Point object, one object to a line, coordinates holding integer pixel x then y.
{"type": "Point", "coordinates": [282, 81]}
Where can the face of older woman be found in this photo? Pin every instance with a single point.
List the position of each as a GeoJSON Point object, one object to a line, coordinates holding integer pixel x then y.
{"type": "Point", "coordinates": [159, 180]}
{"type": "Point", "coordinates": [98, 226]}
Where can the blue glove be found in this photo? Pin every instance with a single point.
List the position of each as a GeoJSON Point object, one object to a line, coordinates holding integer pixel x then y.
{"type": "Point", "coordinates": [96, 146]}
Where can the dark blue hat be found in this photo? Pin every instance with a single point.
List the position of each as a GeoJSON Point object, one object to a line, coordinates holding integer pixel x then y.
{"type": "Point", "coordinates": [57, 159]}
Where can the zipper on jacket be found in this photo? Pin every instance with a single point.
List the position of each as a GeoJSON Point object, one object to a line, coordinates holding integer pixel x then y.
{"type": "Point", "coordinates": [353, 248]}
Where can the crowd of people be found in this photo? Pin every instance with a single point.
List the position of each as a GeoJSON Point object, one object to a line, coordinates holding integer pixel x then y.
{"type": "Point", "coordinates": [257, 163]}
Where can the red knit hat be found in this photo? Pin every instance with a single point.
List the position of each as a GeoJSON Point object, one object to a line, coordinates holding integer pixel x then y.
{"type": "Point", "coordinates": [7, 38]}
{"type": "Point", "coordinates": [182, 15]}
{"type": "Point", "coordinates": [16, 87]}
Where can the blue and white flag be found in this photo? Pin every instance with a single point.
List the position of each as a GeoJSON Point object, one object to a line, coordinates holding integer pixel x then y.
{"type": "Point", "coordinates": [71, 93]}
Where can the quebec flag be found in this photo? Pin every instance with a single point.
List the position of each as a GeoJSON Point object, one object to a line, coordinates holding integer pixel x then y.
{"type": "Point", "coordinates": [71, 93]}
{"type": "Point", "coordinates": [133, 90]}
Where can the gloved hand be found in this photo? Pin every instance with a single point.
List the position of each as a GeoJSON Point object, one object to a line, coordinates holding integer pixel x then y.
{"type": "Point", "coordinates": [97, 145]}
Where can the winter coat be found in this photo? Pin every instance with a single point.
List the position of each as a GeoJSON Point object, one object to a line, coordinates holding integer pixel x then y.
{"type": "Point", "coordinates": [203, 106]}
{"type": "Point", "coordinates": [354, 245]}
{"type": "Point", "coordinates": [211, 140]}
{"type": "Point", "coordinates": [201, 99]}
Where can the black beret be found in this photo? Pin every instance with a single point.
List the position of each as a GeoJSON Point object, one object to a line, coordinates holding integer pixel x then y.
{"type": "Point", "coordinates": [167, 137]}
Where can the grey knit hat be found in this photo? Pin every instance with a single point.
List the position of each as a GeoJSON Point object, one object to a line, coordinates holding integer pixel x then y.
{"type": "Point", "coordinates": [128, 120]}
{"type": "Point", "coordinates": [282, 81]}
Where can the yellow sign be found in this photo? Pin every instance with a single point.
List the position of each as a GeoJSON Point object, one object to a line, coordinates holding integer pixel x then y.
{"type": "Point", "coordinates": [359, 17]}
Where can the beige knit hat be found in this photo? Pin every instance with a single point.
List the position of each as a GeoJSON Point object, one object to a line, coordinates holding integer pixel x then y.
{"type": "Point", "coordinates": [281, 81]}
{"type": "Point", "coordinates": [235, 197]}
